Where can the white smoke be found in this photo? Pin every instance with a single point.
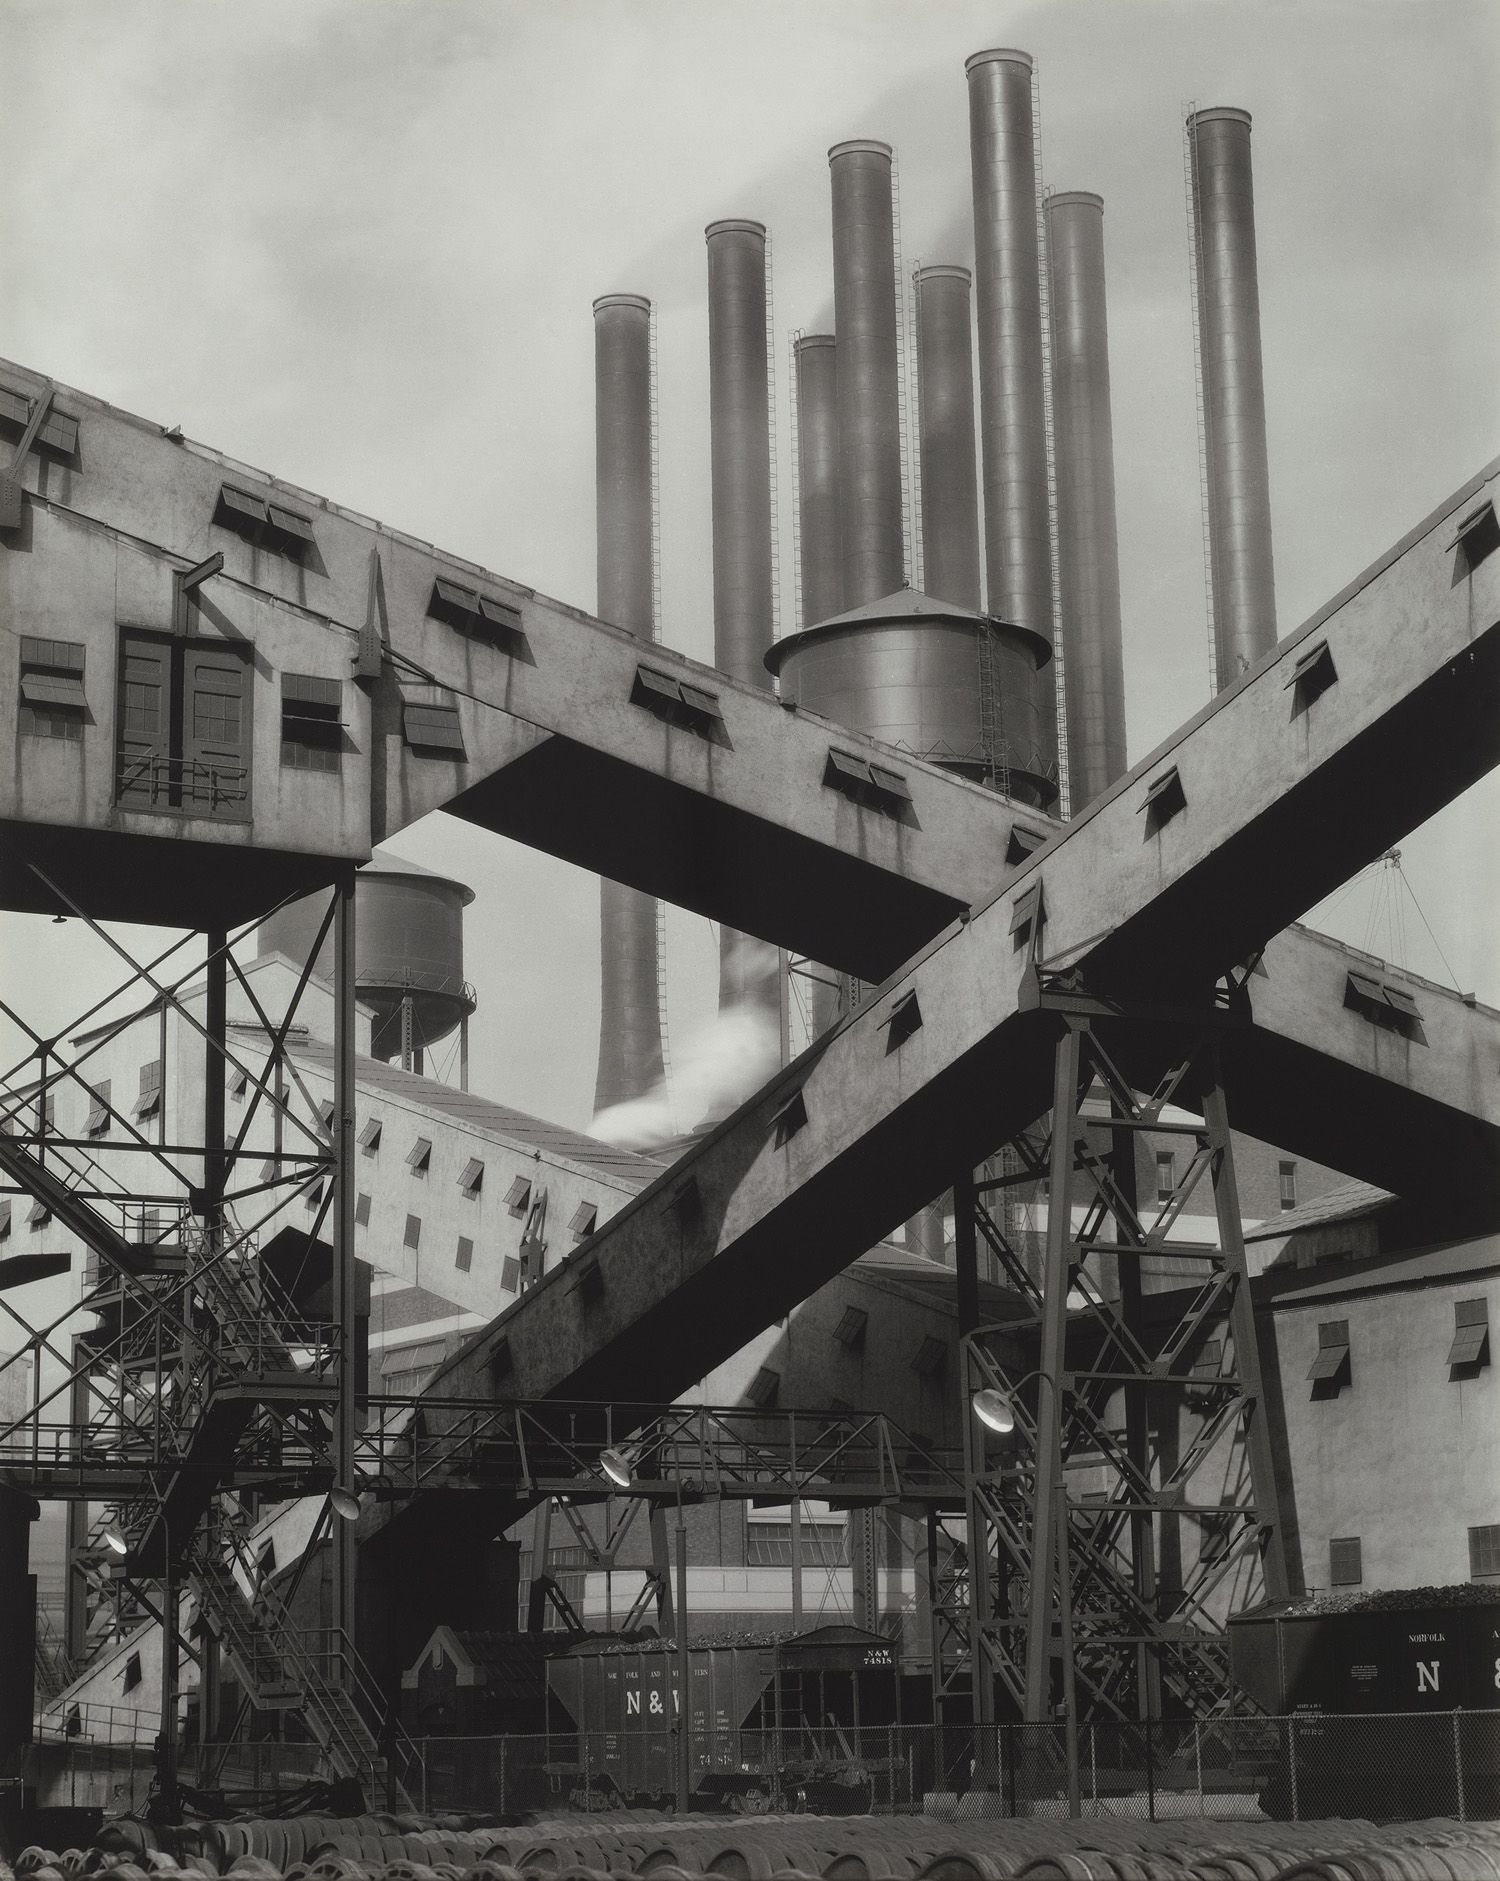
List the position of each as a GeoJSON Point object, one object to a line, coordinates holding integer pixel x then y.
{"type": "Point", "coordinates": [716, 1069]}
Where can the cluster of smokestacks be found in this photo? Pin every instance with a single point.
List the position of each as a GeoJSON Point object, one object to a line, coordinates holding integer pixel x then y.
{"type": "Point", "coordinates": [1038, 496]}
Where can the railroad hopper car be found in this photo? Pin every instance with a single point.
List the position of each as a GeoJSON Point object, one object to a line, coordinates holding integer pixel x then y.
{"type": "Point", "coordinates": [807, 1720]}
{"type": "Point", "coordinates": [1395, 1698]}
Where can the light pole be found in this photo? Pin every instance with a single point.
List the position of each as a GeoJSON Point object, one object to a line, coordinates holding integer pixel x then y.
{"type": "Point", "coordinates": [995, 1409]}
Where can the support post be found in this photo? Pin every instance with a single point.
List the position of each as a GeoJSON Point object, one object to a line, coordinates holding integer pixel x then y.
{"type": "Point", "coordinates": [166, 1759]}
{"type": "Point", "coordinates": [344, 1533]}
{"type": "Point", "coordinates": [684, 1693]}
{"type": "Point", "coordinates": [1242, 1328]}
{"type": "Point", "coordinates": [1045, 1564]}
{"type": "Point", "coordinates": [1123, 1146]}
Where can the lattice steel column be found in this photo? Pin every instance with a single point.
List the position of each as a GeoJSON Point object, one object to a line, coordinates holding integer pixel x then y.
{"type": "Point", "coordinates": [1136, 1408]}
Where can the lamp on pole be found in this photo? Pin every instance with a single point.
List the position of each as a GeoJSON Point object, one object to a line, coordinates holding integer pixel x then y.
{"type": "Point", "coordinates": [996, 1411]}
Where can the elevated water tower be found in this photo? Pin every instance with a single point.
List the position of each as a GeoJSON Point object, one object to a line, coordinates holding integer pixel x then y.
{"type": "Point", "coordinates": [408, 956]}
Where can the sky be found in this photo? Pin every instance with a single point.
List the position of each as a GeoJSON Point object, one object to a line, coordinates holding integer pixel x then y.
{"type": "Point", "coordinates": [355, 243]}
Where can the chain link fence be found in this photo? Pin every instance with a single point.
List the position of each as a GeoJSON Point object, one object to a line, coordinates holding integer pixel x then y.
{"type": "Point", "coordinates": [1387, 1767]}
{"type": "Point", "coordinates": [1383, 1767]}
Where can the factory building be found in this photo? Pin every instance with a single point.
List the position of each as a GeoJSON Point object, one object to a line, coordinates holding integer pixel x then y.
{"type": "Point", "coordinates": [466, 1254]}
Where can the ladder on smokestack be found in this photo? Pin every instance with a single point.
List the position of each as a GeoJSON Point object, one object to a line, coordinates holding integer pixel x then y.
{"type": "Point", "coordinates": [656, 634]}
{"type": "Point", "coordinates": [911, 531]}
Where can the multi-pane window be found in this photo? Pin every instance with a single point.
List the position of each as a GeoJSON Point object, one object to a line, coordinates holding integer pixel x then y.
{"type": "Point", "coordinates": [1331, 1368]}
{"type": "Point", "coordinates": [1470, 1349]}
{"type": "Point", "coordinates": [1288, 1176]}
{"type": "Point", "coordinates": [1484, 1552]}
{"type": "Point", "coordinates": [148, 1103]}
{"type": "Point", "coordinates": [52, 698]}
{"type": "Point", "coordinates": [824, 1543]}
{"type": "Point", "coordinates": [1166, 1175]}
{"type": "Point", "coordinates": [312, 730]}
{"type": "Point", "coordinates": [1345, 1568]}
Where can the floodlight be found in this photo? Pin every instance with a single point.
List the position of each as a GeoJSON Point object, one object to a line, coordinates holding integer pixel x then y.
{"type": "Point", "coordinates": [994, 1410]}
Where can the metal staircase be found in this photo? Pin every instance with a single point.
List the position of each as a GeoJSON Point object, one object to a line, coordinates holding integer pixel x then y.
{"type": "Point", "coordinates": [284, 1668]}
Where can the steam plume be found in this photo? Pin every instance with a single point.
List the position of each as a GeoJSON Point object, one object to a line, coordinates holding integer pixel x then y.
{"type": "Point", "coordinates": [716, 1070]}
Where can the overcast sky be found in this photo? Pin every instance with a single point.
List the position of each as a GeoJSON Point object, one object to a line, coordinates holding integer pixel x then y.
{"type": "Point", "coordinates": [356, 246]}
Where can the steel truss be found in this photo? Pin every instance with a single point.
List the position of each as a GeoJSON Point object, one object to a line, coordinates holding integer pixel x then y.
{"type": "Point", "coordinates": [1135, 1389]}
{"type": "Point", "coordinates": [191, 1367]}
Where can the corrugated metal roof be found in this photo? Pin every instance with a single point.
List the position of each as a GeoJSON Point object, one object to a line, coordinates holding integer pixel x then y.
{"type": "Point", "coordinates": [483, 1113]}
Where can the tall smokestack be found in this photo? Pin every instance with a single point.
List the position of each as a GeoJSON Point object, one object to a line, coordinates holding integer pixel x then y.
{"type": "Point", "coordinates": [740, 428]}
{"type": "Point", "coordinates": [1012, 411]}
{"type": "Point", "coordinates": [630, 1058]}
{"type": "Point", "coordinates": [1234, 400]}
{"type": "Point", "coordinates": [1083, 445]}
{"type": "Point", "coordinates": [819, 530]}
{"type": "Point", "coordinates": [945, 401]}
{"type": "Point", "coordinates": [864, 317]}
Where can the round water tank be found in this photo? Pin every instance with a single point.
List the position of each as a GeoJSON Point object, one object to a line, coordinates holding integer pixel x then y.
{"type": "Point", "coordinates": [408, 947]}
{"type": "Point", "coordinates": [954, 687]}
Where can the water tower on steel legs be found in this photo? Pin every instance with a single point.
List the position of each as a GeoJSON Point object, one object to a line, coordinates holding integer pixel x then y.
{"type": "Point", "coordinates": [409, 957]}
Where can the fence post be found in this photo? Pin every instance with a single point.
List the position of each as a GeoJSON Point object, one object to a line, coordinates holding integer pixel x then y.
{"type": "Point", "coordinates": [1291, 1747]}
{"type": "Point", "coordinates": [1458, 1767]}
{"type": "Point", "coordinates": [1198, 1763]}
{"type": "Point", "coordinates": [1150, 1769]}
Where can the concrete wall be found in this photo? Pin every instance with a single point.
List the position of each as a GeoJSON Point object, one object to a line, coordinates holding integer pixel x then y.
{"type": "Point", "coordinates": [1405, 1457]}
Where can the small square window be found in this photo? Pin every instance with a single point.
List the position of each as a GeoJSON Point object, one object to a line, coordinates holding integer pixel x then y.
{"type": "Point", "coordinates": [1023, 843]}
{"type": "Point", "coordinates": [38, 1215]}
{"type": "Point", "coordinates": [362, 1210]}
{"type": "Point", "coordinates": [930, 1358]}
{"type": "Point", "coordinates": [764, 1389]}
{"type": "Point", "coordinates": [1345, 1568]}
{"type": "Point", "coordinates": [482, 616]}
{"type": "Point", "coordinates": [583, 1220]}
{"type": "Point", "coordinates": [430, 721]}
{"type": "Point", "coordinates": [413, 1237]}
{"type": "Point", "coordinates": [1484, 1552]}
{"type": "Point", "coordinates": [1312, 675]}
{"type": "Point", "coordinates": [148, 1103]}
{"type": "Point", "coordinates": [1470, 1350]}
{"type": "Point", "coordinates": [472, 1179]}
{"type": "Point", "coordinates": [1331, 1369]}
{"type": "Point", "coordinates": [679, 702]}
{"type": "Point", "coordinates": [369, 1137]}
{"type": "Point", "coordinates": [325, 1113]}
{"type": "Point", "coordinates": [132, 1676]}
{"type": "Point", "coordinates": [904, 1020]}
{"type": "Point", "coordinates": [1478, 536]}
{"type": "Point", "coordinates": [1027, 913]}
{"type": "Point", "coordinates": [419, 1157]}
{"type": "Point", "coordinates": [850, 1331]}
{"type": "Point", "coordinates": [239, 1084]}
{"type": "Point", "coordinates": [463, 1260]}
{"type": "Point", "coordinates": [510, 1273]}
{"type": "Point", "coordinates": [1164, 799]}
{"type": "Point", "coordinates": [518, 1195]}
{"type": "Point", "coordinates": [788, 1120]}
